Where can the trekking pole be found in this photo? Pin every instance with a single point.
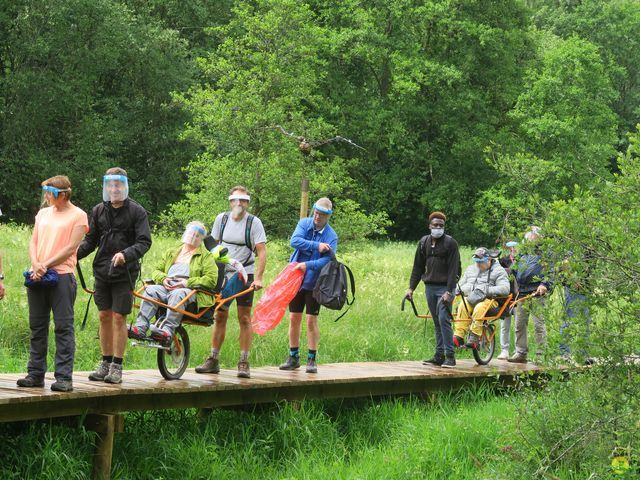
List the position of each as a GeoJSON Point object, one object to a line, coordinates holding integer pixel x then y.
{"type": "Point", "coordinates": [466, 306]}
{"type": "Point", "coordinates": [90, 292]}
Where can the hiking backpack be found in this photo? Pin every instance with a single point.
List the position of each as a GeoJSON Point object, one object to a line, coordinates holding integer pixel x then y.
{"type": "Point", "coordinates": [331, 289]}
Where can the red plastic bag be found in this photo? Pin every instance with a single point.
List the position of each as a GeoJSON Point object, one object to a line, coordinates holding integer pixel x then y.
{"type": "Point", "coordinates": [276, 298]}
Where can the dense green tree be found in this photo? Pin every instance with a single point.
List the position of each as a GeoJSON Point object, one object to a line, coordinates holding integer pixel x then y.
{"type": "Point", "coordinates": [85, 85]}
{"type": "Point", "coordinates": [263, 85]}
{"type": "Point", "coordinates": [424, 86]}
{"type": "Point", "coordinates": [614, 26]}
{"type": "Point", "coordinates": [563, 136]}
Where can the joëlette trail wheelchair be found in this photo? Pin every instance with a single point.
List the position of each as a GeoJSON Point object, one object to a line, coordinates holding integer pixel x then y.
{"type": "Point", "coordinates": [173, 353]}
{"type": "Point", "coordinates": [487, 343]}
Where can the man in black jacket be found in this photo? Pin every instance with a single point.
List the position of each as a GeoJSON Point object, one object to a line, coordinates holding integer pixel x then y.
{"type": "Point", "coordinates": [437, 264]}
{"type": "Point", "coordinates": [119, 228]}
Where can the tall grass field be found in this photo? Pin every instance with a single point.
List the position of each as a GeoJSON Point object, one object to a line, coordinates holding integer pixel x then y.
{"type": "Point", "coordinates": [462, 436]}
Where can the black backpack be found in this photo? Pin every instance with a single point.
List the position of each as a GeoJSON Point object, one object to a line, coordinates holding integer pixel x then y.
{"type": "Point", "coordinates": [331, 288]}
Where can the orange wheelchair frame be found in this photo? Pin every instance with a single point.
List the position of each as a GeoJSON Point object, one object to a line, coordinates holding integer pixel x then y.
{"type": "Point", "coordinates": [173, 354]}
{"type": "Point", "coordinates": [487, 343]}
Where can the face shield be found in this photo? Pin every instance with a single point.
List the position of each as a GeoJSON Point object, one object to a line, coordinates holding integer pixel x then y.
{"type": "Point", "coordinates": [320, 215]}
{"type": "Point", "coordinates": [193, 234]}
{"type": "Point", "coordinates": [53, 192]}
{"type": "Point", "coordinates": [115, 188]}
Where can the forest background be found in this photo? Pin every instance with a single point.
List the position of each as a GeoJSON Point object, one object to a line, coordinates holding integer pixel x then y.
{"type": "Point", "coordinates": [501, 113]}
{"type": "Point", "coordinates": [486, 110]}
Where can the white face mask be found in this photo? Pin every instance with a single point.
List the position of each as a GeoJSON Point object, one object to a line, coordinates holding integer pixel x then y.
{"type": "Point", "coordinates": [437, 232]}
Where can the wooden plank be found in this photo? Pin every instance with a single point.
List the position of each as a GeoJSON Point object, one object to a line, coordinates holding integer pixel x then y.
{"type": "Point", "coordinates": [147, 390]}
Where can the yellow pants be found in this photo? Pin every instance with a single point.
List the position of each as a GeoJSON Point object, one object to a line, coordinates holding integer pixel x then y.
{"type": "Point", "coordinates": [463, 319]}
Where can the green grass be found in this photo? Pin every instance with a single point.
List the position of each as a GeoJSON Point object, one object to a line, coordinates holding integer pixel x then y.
{"type": "Point", "coordinates": [457, 436]}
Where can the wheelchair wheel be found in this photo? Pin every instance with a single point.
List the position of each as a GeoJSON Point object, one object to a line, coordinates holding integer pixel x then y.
{"type": "Point", "coordinates": [487, 345]}
{"type": "Point", "coordinates": [173, 362]}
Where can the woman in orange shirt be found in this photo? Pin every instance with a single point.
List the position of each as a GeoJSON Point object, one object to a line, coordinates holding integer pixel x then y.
{"type": "Point", "coordinates": [58, 231]}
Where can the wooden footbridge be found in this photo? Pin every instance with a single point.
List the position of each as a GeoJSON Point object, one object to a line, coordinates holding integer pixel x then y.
{"type": "Point", "coordinates": [101, 404]}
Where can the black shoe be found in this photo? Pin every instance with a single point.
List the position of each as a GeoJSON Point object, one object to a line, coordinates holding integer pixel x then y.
{"type": "Point", "coordinates": [30, 381]}
{"type": "Point", "coordinates": [62, 386]}
{"type": "Point", "coordinates": [449, 362]}
{"type": "Point", "coordinates": [437, 359]}
{"type": "Point", "coordinates": [291, 363]}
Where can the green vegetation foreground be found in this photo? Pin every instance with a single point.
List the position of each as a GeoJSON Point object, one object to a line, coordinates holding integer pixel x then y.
{"type": "Point", "coordinates": [469, 435]}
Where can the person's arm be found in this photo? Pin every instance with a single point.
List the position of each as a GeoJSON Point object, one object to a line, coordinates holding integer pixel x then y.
{"type": "Point", "coordinates": [502, 287]}
{"type": "Point", "coordinates": [77, 234]}
{"type": "Point", "coordinates": [325, 257]}
{"type": "Point", "coordinates": [299, 242]}
{"type": "Point", "coordinates": [261, 250]}
{"type": "Point", "coordinates": [453, 261]}
{"type": "Point", "coordinates": [419, 262]}
{"type": "Point", "coordinates": [91, 238]}
{"type": "Point", "coordinates": [143, 238]}
{"type": "Point", "coordinates": [208, 275]}
{"type": "Point", "coordinates": [465, 283]}
{"type": "Point", "coordinates": [159, 273]}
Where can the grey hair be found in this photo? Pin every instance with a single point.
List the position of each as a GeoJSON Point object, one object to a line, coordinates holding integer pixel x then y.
{"type": "Point", "coordinates": [534, 233]}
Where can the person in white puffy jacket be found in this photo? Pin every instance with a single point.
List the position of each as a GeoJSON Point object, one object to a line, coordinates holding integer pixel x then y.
{"type": "Point", "coordinates": [481, 284]}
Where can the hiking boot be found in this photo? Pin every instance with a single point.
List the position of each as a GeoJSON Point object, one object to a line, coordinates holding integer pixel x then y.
{"type": "Point", "coordinates": [210, 365]}
{"type": "Point", "coordinates": [160, 335]}
{"type": "Point", "coordinates": [504, 355]}
{"type": "Point", "coordinates": [290, 364]}
{"type": "Point", "coordinates": [437, 360]}
{"type": "Point", "coordinates": [312, 367]}
{"type": "Point", "coordinates": [458, 341]}
{"type": "Point", "coordinates": [243, 369]}
{"type": "Point", "coordinates": [449, 362]}
{"type": "Point", "coordinates": [473, 341]}
{"type": "Point", "coordinates": [62, 386]}
{"type": "Point", "coordinates": [136, 332]}
{"type": "Point", "coordinates": [115, 374]}
{"type": "Point", "coordinates": [517, 358]}
{"type": "Point", "coordinates": [30, 381]}
{"type": "Point", "coordinates": [102, 370]}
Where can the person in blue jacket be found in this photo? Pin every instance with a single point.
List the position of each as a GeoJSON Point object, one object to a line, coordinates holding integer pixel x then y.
{"type": "Point", "coordinates": [313, 241]}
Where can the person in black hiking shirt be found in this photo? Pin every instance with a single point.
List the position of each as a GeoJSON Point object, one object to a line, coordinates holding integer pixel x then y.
{"type": "Point", "coordinates": [437, 264]}
{"type": "Point", "coordinates": [119, 229]}
{"type": "Point", "coordinates": [242, 234]}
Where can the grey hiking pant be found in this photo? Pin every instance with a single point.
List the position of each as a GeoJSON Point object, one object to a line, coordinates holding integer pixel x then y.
{"type": "Point", "coordinates": [534, 309]}
{"type": "Point", "coordinates": [505, 333]}
{"type": "Point", "coordinates": [170, 297]}
{"type": "Point", "coordinates": [58, 299]}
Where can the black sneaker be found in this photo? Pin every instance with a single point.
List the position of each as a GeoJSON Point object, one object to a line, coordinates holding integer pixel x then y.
{"type": "Point", "coordinates": [30, 381]}
{"type": "Point", "coordinates": [290, 364]}
{"type": "Point", "coordinates": [62, 386]}
{"type": "Point", "coordinates": [437, 360]}
{"type": "Point", "coordinates": [449, 362]}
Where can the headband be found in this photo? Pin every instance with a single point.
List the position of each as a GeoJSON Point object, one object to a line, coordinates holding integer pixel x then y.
{"type": "Point", "coordinates": [328, 211]}
{"type": "Point", "coordinates": [197, 228]}
{"type": "Point", "coordinates": [55, 190]}
{"type": "Point", "coordinates": [120, 178]}
{"type": "Point", "coordinates": [239, 196]}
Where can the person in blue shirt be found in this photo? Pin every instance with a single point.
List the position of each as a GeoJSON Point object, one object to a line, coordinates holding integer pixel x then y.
{"type": "Point", "coordinates": [313, 241]}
